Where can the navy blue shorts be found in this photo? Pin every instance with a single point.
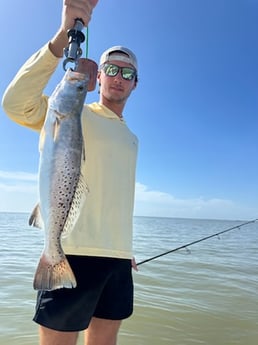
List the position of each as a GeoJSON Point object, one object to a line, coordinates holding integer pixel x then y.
{"type": "Point", "coordinates": [104, 290]}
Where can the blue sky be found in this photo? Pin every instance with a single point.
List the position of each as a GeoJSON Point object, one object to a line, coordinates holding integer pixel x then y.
{"type": "Point", "coordinates": [195, 109]}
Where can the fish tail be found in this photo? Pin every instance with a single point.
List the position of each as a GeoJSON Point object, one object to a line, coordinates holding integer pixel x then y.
{"type": "Point", "coordinates": [50, 276]}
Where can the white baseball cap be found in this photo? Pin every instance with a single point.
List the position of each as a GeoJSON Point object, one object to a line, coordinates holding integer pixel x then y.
{"type": "Point", "coordinates": [126, 56]}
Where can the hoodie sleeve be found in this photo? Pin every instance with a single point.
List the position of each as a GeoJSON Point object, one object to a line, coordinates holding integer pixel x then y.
{"type": "Point", "coordinates": [23, 100]}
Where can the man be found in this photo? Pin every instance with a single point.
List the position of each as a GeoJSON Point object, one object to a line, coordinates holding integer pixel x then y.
{"type": "Point", "coordinates": [100, 247]}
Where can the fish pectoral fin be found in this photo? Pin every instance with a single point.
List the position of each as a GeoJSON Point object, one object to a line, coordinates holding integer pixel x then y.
{"type": "Point", "coordinates": [78, 200]}
{"type": "Point", "coordinates": [56, 129]}
{"type": "Point", "coordinates": [35, 218]}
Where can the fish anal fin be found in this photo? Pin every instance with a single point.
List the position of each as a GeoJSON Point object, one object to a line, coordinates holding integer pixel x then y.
{"type": "Point", "coordinates": [35, 218]}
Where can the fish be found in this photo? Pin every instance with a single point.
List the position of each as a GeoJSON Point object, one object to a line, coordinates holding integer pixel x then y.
{"type": "Point", "coordinates": [62, 190]}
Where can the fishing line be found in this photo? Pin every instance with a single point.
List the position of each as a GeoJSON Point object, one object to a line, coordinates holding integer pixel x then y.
{"type": "Point", "coordinates": [197, 241]}
{"type": "Point", "coordinates": [86, 41]}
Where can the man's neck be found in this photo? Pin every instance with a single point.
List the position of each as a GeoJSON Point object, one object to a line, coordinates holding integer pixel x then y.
{"type": "Point", "coordinates": [117, 108]}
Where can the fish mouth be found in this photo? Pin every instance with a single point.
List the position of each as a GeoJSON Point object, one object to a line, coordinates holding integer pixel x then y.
{"type": "Point", "coordinates": [75, 76]}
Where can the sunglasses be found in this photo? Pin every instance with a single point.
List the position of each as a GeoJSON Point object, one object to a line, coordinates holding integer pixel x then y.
{"type": "Point", "coordinates": [112, 70]}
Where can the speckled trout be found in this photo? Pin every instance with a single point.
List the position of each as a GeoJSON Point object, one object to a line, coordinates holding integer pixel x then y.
{"type": "Point", "coordinates": [61, 187]}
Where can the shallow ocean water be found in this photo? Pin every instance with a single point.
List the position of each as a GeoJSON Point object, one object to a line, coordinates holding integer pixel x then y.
{"type": "Point", "coordinates": [205, 294]}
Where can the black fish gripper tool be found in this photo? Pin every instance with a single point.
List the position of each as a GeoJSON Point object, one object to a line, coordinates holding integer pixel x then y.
{"type": "Point", "coordinates": [73, 52]}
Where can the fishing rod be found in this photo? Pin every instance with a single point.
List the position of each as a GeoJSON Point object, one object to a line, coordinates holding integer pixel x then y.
{"type": "Point", "coordinates": [197, 241]}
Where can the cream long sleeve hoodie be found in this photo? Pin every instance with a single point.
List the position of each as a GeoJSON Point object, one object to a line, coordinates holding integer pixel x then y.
{"type": "Point", "coordinates": [104, 227]}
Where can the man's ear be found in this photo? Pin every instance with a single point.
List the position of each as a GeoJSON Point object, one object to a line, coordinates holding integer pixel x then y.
{"type": "Point", "coordinates": [98, 76]}
{"type": "Point", "coordinates": [135, 84]}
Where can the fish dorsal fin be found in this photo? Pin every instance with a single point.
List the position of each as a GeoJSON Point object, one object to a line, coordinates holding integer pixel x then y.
{"type": "Point", "coordinates": [78, 199]}
{"type": "Point", "coordinates": [35, 218]}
